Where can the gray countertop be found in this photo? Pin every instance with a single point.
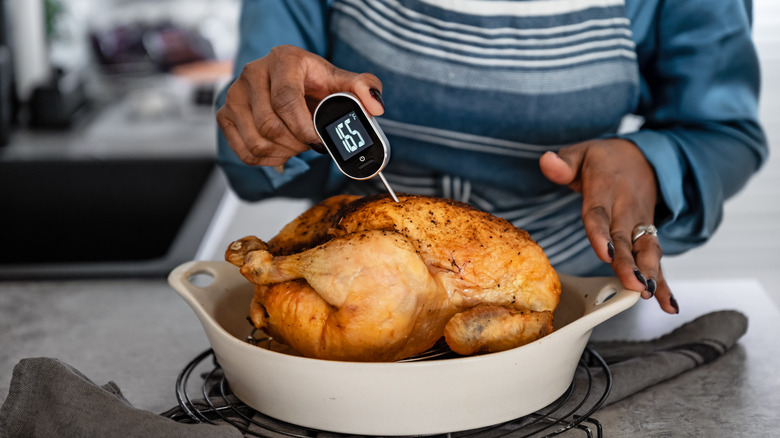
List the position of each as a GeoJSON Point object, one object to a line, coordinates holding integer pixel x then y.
{"type": "Point", "coordinates": [140, 334]}
{"type": "Point", "coordinates": [736, 395]}
{"type": "Point", "coordinates": [148, 117]}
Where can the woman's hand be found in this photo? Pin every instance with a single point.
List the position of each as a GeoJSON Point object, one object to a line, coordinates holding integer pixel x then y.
{"type": "Point", "coordinates": [618, 188]}
{"type": "Point", "coordinates": [267, 115]}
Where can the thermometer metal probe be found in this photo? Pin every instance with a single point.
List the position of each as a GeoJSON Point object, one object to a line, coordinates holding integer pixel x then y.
{"type": "Point", "coordinates": [387, 186]}
{"type": "Point", "coordinates": [353, 138]}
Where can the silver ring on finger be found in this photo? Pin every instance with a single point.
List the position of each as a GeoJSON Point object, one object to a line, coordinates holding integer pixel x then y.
{"type": "Point", "coordinates": [641, 230]}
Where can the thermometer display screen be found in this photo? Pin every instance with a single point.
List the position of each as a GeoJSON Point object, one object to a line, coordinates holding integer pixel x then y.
{"type": "Point", "coordinates": [349, 135]}
{"type": "Point", "coordinates": [352, 137]}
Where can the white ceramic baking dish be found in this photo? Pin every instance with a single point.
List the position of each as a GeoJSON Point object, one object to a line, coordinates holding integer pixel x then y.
{"type": "Point", "coordinates": [409, 398]}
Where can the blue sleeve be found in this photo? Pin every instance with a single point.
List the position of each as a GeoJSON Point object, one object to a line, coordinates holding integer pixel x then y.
{"type": "Point", "coordinates": [264, 24]}
{"type": "Point", "coordinates": [699, 98]}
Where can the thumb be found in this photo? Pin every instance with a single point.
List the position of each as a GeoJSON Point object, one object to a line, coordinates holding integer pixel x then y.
{"type": "Point", "coordinates": [561, 168]}
{"type": "Point", "coordinates": [366, 86]}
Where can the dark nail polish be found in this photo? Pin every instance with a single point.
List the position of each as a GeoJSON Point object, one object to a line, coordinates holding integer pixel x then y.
{"type": "Point", "coordinates": [318, 147]}
{"type": "Point", "coordinates": [674, 304]}
{"type": "Point", "coordinates": [376, 94]}
{"type": "Point", "coordinates": [640, 277]}
{"type": "Point", "coordinates": [651, 286]}
{"type": "Point", "coordinates": [611, 251]}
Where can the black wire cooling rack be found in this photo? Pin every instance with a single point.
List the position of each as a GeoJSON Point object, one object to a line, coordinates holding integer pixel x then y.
{"type": "Point", "coordinates": [571, 412]}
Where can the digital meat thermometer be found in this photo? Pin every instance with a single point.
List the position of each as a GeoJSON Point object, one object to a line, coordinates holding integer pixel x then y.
{"type": "Point", "coordinates": [353, 138]}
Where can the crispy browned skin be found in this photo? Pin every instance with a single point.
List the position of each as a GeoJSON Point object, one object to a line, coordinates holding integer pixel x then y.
{"type": "Point", "coordinates": [353, 304]}
{"type": "Point", "coordinates": [488, 328]}
{"type": "Point", "coordinates": [481, 258]}
{"type": "Point", "coordinates": [387, 277]}
{"type": "Point", "coordinates": [310, 228]}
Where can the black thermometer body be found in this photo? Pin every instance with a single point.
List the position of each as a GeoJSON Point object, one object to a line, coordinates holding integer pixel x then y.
{"type": "Point", "coordinates": [352, 137]}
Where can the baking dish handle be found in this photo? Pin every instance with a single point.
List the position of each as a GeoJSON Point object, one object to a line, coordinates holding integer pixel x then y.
{"type": "Point", "coordinates": [604, 298]}
{"type": "Point", "coordinates": [201, 283]}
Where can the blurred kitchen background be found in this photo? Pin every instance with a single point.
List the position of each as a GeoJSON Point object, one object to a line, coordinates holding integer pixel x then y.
{"type": "Point", "coordinates": [108, 133]}
{"type": "Point", "coordinates": [107, 137]}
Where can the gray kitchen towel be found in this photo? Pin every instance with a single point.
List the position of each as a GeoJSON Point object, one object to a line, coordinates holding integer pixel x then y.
{"type": "Point", "coordinates": [638, 365]}
{"type": "Point", "coordinates": [49, 398]}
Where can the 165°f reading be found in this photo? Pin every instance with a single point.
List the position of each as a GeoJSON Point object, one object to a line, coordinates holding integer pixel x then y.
{"type": "Point", "coordinates": [349, 135]}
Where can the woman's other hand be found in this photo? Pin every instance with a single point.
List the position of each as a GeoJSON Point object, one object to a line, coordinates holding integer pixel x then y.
{"type": "Point", "coordinates": [618, 187]}
{"type": "Point", "coordinates": [267, 115]}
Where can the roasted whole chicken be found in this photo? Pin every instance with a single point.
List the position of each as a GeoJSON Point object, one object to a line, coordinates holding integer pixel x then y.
{"type": "Point", "coordinates": [369, 279]}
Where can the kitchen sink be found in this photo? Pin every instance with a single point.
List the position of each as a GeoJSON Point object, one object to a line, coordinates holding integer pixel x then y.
{"type": "Point", "coordinates": [99, 218]}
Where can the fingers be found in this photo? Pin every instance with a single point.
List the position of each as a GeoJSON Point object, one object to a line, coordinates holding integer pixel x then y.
{"type": "Point", "coordinates": [251, 127]}
{"type": "Point", "coordinates": [647, 254]}
{"type": "Point", "coordinates": [567, 167]}
{"type": "Point", "coordinates": [300, 78]}
{"type": "Point", "coordinates": [635, 263]}
{"type": "Point", "coordinates": [619, 193]}
{"type": "Point", "coordinates": [284, 96]}
{"type": "Point", "coordinates": [665, 297]}
{"type": "Point", "coordinates": [638, 266]}
{"type": "Point", "coordinates": [267, 115]}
